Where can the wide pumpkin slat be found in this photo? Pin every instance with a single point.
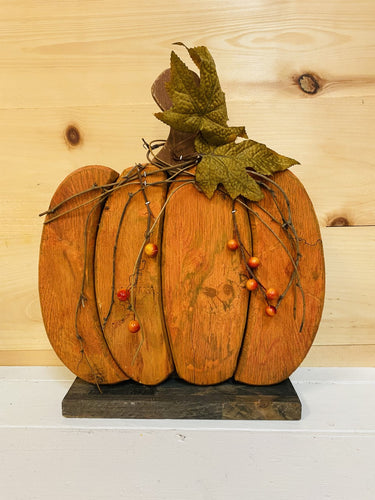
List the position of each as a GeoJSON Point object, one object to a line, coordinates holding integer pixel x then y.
{"type": "Point", "coordinates": [66, 280]}
{"type": "Point", "coordinates": [144, 355]}
{"type": "Point", "coordinates": [274, 346]}
{"type": "Point", "coordinates": [204, 297]}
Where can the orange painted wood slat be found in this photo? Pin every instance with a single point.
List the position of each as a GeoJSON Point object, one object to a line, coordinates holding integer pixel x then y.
{"type": "Point", "coordinates": [66, 281]}
{"type": "Point", "coordinates": [274, 346]}
{"type": "Point", "coordinates": [205, 301]}
{"type": "Point", "coordinates": [144, 355]}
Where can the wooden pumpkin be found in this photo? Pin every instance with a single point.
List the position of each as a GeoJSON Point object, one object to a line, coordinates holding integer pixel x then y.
{"type": "Point", "coordinates": [191, 299]}
{"type": "Point", "coordinates": [137, 278]}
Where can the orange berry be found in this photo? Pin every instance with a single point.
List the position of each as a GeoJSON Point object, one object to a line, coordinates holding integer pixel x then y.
{"type": "Point", "coordinates": [271, 310]}
{"type": "Point", "coordinates": [133, 326]}
{"type": "Point", "coordinates": [232, 244]}
{"type": "Point", "coordinates": [151, 249]}
{"type": "Point", "coordinates": [251, 284]}
{"type": "Point", "coordinates": [253, 262]}
{"type": "Point", "coordinates": [272, 294]}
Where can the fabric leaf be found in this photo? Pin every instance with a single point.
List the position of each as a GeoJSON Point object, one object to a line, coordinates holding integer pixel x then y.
{"type": "Point", "coordinates": [227, 164]}
{"type": "Point", "coordinates": [198, 103]}
{"type": "Point", "coordinates": [263, 159]}
{"type": "Point", "coordinates": [219, 165]}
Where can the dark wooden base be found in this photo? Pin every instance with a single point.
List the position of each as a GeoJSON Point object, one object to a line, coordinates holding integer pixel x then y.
{"type": "Point", "coordinates": [176, 399]}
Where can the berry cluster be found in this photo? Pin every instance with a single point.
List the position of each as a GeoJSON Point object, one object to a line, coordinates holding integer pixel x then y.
{"type": "Point", "coordinates": [252, 284]}
{"type": "Point", "coordinates": [123, 294]}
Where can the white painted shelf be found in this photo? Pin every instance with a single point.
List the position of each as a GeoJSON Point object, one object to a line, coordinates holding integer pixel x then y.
{"type": "Point", "coordinates": [329, 454]}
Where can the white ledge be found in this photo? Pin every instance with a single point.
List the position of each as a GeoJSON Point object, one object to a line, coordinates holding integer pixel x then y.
{"type": "Point", "coordinates": [328, 455]}
{"type": "Point", "coordinates": [333, 400]}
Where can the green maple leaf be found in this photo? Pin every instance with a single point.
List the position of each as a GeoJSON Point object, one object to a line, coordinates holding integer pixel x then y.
{"type": "Point", "coordinates": [198, 104]}
{"type": "Point", "coordinates": [227, 165]}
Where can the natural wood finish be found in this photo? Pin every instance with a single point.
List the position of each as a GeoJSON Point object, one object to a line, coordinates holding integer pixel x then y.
{"type": "Point", "coordinates": [338, 178]}
{"type": "Point", "coordinates": [145, 355]}
{"type": "Point", "coordinates": [205, 302]}
{"type": "Point", "coordinates": [177, 400]}
{"type": "Point", "coordinates": [261, 46]}
{"type": "Point", "coordinates": [90, 65]}
{"type": "Point", "coordinates": [318, 355]}
{"type": "Point", "coordinates": [29, 358]}
{"type": "Point", "coordinates": [66, 281]}
{"type": "Point", "coordinates": [274, 346]}
{"type": "Point", "coordinates": [340, 355]}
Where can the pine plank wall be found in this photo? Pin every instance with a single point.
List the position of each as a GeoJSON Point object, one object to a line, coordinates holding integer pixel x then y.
{"type": "Point", "coordinates": [90, 65]}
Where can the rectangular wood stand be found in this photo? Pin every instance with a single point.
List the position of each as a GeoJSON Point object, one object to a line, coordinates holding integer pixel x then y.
{"type": "Point", "coordinates": [176, 399]}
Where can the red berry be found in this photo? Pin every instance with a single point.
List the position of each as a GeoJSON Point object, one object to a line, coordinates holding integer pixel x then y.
{"type": "Point", "coordinates": [251, 284]}
{"type": "Point", "coordinates": [151, 249]}
{"type": "Point", "coordinates": [133, 326]}
{"type": "Point", "coordinates": [271, 310]}
{"type": "Point", "coordinates": [272, 294]}
{"type": "Point", "coordinates": [253, 262]}
{"type": "Point", "coordinates": [123, 294]}
{"type": "Point", "coordinates": [232, 244]}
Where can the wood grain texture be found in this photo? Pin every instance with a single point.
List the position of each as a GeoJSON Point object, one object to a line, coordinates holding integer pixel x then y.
{"type": "Point", "coordinates": [91, 65]}
{"type": "Point", "coordinates": [277, 39]}
{"type": "Point", "coordinates": [145, 355]}
{"type": "Point", "coordinates": [318, 355]}
{"type": "Point", "coordinates": [275, 346]}
{"type": "Point", "coordinates": [66, 278]}
{"type": "Point", "coordinates": [204, 298]}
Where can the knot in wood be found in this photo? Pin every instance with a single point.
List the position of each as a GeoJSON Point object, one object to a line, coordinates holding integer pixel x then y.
{"type": "Point", "coordinates": [339, 222]}
{"type": "Point", "coordinates": [308, 83]}
{"type": "Point", "coordinates": [72, 135]}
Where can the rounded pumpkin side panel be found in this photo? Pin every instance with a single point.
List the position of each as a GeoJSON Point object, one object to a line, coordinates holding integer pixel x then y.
{"type": "Point", "coordinates": [289, 247]}
{"type": "Point", "coordinates": [66, 281]}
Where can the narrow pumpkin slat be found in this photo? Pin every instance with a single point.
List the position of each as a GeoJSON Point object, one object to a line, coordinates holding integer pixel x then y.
{"type": "Point", "coordinates": [66, 285]}
{"type": "Point", "coordinates": [205, 301]}
{"type": "Point", "coordinates": [274, 346]}
{"type": "Point", "coordinates": [144, 355]}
